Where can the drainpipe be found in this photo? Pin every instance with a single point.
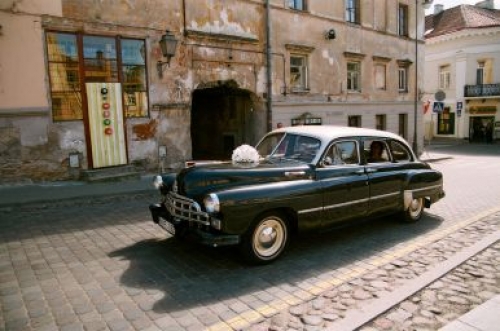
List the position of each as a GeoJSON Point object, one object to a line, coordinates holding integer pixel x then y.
{"type": "Point", "coordinates": [269, 68]}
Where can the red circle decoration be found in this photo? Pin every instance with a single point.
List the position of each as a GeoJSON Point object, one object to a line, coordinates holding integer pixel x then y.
{"type": "Point", "coordinates": [105, 105]}
{"type": "Point", "coordinates": [108, 131]}
{"type": "Point", "coordinates": [106, 114]}
{"type": "Point", "coordinates": [107, 121]}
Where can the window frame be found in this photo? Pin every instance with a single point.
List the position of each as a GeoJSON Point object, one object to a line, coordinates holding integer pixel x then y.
{"type": "Point", "coordinates": [444, 77]}
{"type": "Point", "coordinates": [354, 119]}
{"type": "Point", "coordinates": [353, 11]}
{"type": "Point", "coordinates": [403, 15]}
{"type": "Point", "coordinates": [82, 66]}
{"type": "Point", "coordinates": [76, 86]}
{"type": "Point", "coordinates": [303, 69]}
{"type": "Point", "coordinates": [384, 76]}
{"type": "Point", "coordinates": [403, 125]}
{"type": "Point", "coordinates": [297, 4]}
{"type": "Point", "coordinates": [403, 79]}
{"type": "Point", "coordinates": [480, 73]}
{"type": "Point", "coordinates": [382, 118]}
{"type": "Point", "coordinates": [353, 77]}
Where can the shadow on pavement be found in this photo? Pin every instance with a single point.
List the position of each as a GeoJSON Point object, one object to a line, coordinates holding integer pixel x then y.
{"type": "Point", "coordinates": [192, 275]}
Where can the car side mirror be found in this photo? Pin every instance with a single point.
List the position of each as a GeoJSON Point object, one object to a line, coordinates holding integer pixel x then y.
{"type": "Point", "coordinates": [327, 161]}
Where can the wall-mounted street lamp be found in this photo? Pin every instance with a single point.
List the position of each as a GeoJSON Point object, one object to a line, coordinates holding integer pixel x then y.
{"type": "Point", "coordinates": [426, 4]}
{"type": "Point", "coordinates": [168, 45]}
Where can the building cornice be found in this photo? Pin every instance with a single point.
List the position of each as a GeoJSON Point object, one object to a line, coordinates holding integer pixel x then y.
{"type": "Point", "coordinates": [465, 33]}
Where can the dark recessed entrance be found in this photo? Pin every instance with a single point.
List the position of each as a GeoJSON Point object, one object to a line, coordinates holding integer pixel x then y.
{"type": "Point", "coordinates": [481, 129]}
{"type": "Point", "coordinates": [221, 120]}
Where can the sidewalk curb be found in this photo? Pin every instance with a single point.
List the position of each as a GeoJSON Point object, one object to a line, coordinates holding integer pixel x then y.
{"type": "Point", "coordinates": [76, 200]}
{"type": "Point", "coordinates": [355, 319]}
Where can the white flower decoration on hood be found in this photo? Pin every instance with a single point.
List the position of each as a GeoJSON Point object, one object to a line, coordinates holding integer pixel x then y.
{"type": "Point", "coordinates": [245, 154]}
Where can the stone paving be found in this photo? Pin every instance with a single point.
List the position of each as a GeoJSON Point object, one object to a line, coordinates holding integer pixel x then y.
{"type": "Point", "coordinates": [445, 300]}
{"type": "Point", "coordinates": [467, 286]}
{"type": "Point", "coordinates": [103, 265]}
{"type": "Point", "coordinates": [67, 270]}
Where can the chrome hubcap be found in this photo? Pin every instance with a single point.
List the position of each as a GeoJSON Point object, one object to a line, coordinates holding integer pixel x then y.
{"type": "Point", "coordinates": [269, 238]}
{"type": "Point", "coordinates": [415, 207]}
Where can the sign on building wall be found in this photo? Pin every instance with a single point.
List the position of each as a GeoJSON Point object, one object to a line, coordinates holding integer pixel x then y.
{"type": "Point", "coordinates": [438, 107]}
{"type": "Point", "coordinates": [459, 108]}
{"type": "Point", "coordinates": [107, 134]}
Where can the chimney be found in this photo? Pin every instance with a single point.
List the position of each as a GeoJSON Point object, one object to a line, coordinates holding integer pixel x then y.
{"type": "Point", "coordinates": [438, 9]}
{"type": "Point", "coordinates": [486, 4]}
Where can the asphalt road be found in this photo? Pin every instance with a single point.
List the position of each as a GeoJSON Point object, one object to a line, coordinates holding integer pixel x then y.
{"type": "Point", "coordinates": [103, 265]}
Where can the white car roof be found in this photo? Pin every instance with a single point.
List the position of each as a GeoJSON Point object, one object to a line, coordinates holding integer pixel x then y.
{"type": "Point", "coordinates": [328, 132]}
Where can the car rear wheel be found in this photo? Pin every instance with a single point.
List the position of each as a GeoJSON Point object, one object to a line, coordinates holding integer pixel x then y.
{"type": "Point", "coordinates": [266, 239]}
{"type": "Point", "coordinates": [414, 211]}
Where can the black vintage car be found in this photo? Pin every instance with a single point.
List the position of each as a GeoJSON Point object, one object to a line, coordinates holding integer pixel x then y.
{"type": "Point", "coordinates": [297, 179]}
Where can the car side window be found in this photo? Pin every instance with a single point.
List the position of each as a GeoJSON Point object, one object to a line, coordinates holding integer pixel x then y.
{"type": "Point", "coordinates": [305, 148]}
{"type": "Point", "coordinates": [342, 153]}
{"type": "Point", "coordinates": [399, 152]}
{"type": "Point", "coordinates": [376, 151]}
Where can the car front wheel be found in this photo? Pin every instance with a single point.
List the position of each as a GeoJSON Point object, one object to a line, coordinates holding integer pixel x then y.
{"type": "Point", "coordinates": [266, 239]}
{"type": "Point", "coordinates": [414, 211]}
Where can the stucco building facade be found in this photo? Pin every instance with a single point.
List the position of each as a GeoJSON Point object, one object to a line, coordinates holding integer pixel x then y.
{"type": "Point", "coordinates": [462, 72]}
{"type": "Point", "coordinates": [81, 89]}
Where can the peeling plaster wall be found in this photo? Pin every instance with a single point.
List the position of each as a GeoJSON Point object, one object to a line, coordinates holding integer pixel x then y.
{"type": "Point", "coordinates": [220, 41]}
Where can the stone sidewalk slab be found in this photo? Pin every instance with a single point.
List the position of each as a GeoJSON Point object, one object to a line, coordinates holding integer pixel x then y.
{"type": "Point", "coordinates": [485, 317]}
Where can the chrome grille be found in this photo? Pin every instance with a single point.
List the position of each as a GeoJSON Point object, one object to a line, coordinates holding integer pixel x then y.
{"type": "Point", "coordinates": [186, 209]}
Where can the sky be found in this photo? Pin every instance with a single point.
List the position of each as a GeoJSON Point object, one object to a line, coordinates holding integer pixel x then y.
{"type": "Point", "coordinates": [452, 3]}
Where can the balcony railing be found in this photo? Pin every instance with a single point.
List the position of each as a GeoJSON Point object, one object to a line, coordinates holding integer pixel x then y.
{"type": "Point", "coordinates": [484, 90]}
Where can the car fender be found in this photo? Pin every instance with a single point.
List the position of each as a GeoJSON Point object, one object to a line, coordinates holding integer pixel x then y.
{"type": "Point", "coordinates": [168, 181]}
{"type": "Point", "coordinates": [424, 183]}
{"type": "Point", "coordinates": [243, 204]}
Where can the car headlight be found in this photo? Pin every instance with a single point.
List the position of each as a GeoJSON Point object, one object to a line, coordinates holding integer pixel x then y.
{"type": "Point", "coordinates": [211, 203]}
{"type": "Point", "coordinates": [157, 182]}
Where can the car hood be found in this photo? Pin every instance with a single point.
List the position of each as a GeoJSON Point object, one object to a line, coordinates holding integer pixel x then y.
{"type": "Point", "coordinates": [197, 181]}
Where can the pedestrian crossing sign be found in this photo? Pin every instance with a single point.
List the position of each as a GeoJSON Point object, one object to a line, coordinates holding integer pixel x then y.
{"type": "Point", "coordinates": [438, 107]}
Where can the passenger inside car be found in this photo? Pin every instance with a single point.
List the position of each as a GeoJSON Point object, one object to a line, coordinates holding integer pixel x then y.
{"type": "Point", "coordinates": [378, 152]}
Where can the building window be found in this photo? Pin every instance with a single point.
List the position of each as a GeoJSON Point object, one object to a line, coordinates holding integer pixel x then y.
{"type": "Point", "coordinates": [403, 126]}
{"type": "Point", "coordinates": [480, 73]}
{"type": "Point", "coordinates": [354, 121]}
{"type": "Point", "coordinates": [298, 73]}
{"type": "Point", "coordinates": [444, 77]}
{"type": "Point", "coordinates": [297, 4]}
{"type": "Point", "coordinates": [403, 79]}
{"type": "Point", "coordinates": [101, 62]}
{"type": "Point", "coordinates": [380, 122]}
{"type": "Point", "coordinates": [64, 74]}
{"type": "Point", "coordinates": [446, 122]}
{"type": "Point", "coordinates": [352, 11]}
{"type": "Point", "coordinates": [354, 76]}
{"type": "Point", "coordinates": [403, 20]}
{"type": "Point", "coordinates": [135, 87]}
{"type": "Point", "coordinates": [380, 76]}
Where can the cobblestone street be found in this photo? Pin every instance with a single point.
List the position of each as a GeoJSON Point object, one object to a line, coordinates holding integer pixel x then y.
{"type": "Point", "coordinates": [101, 264]}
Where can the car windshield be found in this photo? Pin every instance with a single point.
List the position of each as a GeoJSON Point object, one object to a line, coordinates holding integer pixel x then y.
{"type": "Point", "coordinates": [289, 146]}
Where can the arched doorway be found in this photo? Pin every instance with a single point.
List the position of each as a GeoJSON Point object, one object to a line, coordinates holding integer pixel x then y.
{"type": "Point", "coordinates": [221, 120]}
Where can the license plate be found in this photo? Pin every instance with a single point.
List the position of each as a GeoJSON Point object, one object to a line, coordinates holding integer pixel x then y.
{"type": "Point", "coordinates": [169, 227]}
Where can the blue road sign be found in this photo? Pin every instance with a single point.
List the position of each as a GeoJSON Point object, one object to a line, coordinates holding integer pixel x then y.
{"type": "Point", "coordinates": [438, 107]}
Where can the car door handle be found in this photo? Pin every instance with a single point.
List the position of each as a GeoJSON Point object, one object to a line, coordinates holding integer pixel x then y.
{"type": "Point", "coordinates": [360, 172]}
{"type": "Point", "coordinates": [294, 173]}
{"type": "Point", "coordinates": [370, 170]}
